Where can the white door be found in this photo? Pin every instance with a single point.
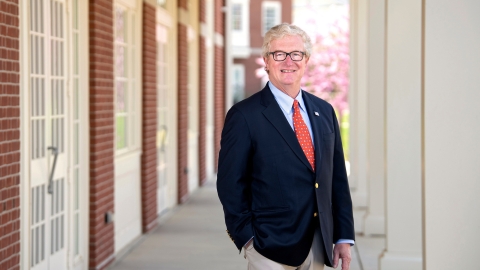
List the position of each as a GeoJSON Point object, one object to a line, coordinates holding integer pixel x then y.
{"type": "Point", "coordinates": [47, 116]}
{"type": "Point", "coordinates": [193, 109]}
{"type": "Point", "coordinates": [162, 117]}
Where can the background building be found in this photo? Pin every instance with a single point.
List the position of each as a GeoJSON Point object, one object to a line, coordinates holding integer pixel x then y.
{"type": "Point", "coordinates": [110, 115]}
{"type": "Point", "coordinates": [248, 23]}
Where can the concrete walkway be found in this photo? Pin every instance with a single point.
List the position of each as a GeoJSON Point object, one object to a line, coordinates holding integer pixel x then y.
{"type": "Point", "coordinates": [192, 236]}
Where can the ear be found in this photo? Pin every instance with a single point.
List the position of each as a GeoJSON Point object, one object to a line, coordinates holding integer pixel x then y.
{"type": "Point", "coordinates": [306, 60]}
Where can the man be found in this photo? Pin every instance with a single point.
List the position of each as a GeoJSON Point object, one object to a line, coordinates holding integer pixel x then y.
{"type": "Point", "coordinates": [281, 174]}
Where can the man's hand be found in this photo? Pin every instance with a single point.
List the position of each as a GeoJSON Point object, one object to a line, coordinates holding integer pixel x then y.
{"type": "Point", "coordinates": [342, 251]}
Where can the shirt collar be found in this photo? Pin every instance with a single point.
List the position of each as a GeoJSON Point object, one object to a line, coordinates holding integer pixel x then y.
{"type": "Point", "coordinates": [285, 101]}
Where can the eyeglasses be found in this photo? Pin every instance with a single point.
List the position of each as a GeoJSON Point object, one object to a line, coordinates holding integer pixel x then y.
{"type": "Point", "coordinates": [281, 56]}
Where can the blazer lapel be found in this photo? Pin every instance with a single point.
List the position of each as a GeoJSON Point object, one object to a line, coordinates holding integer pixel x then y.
{"type": "Point", "coordinates": [314, 115]}
{"type": "Point", "coordinates": [275, 115]}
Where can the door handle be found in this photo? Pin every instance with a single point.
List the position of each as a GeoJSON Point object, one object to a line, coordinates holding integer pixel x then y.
{"type": "Point", "coordinates": [50, 181]}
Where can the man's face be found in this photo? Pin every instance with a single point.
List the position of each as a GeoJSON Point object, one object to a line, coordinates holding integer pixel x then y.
{"type": "Point", "coordinates": [286, 73]}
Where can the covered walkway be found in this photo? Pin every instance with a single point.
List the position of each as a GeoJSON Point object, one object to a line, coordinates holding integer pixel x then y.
{"type": "Point", "coordinates": [192, 236]}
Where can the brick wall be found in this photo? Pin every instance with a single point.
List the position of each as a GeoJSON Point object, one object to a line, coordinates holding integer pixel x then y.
{"type": "Point", "coordinates": [102, 124]}
{"type": "Point", "coordinates": [202, 139]}
{"type": "Point", "coordinates": [183, 4]}
{"type": "Point", "coordinates": [219, 81]}
{"type": "Point", "coordinates": [149, 115]}
{"type": "Point", "coordinates": [9, 136]}
{"type": "Point", "coordinates": [182, 110]}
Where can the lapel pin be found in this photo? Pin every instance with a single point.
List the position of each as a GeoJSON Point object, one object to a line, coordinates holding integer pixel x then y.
{"type": "Point", "coordinates": [316, 113]}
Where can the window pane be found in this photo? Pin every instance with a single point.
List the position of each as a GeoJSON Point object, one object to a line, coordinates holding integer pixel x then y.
{"type": "Point", "coordinates": [121, 102]}
{"type": "Point", "coordinates": [237, 17]}
{"type": "Point", "coordinates": [120, 61]}
{"type": "Point", "coordinates": [120, 26]}
{"type": "Point", "coordinates": [121, 125]}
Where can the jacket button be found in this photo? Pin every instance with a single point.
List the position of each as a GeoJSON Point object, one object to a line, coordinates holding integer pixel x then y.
{"type": "Point", "coordinates": [316, 185]}
{"type": "Point", "coordinates": [315, 214]}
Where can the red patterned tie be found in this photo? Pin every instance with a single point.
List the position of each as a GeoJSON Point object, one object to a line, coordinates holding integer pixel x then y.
{"type": "Point", "coordinates": [303, 135]}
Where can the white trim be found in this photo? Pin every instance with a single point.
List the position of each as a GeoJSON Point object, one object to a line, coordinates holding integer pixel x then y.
{"type": "Point", "coordinates": [163, 17]}
{"type": "Point", "coordinates": [24, 107]}
{"type": "Point", "coordinates": [127, 3]}
{"type": "Point", "coordinates": [84, 137]}
{"type": "Point", "coordinates": [219, 40]}
{"type": "Point", "coordinates": [203, 30]}
{"type": "Point", "coordinates": [210, 155]}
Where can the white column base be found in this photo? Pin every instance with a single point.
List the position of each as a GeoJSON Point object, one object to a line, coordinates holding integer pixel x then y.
{"type": "Point", "coordinates": [359, 198]}
{"type": "Point", "coordinates": [358, 214]}
{"type": "Point", "coordinates": [400, 261]}
{"type": "Point", "coordinates": [374, 225]}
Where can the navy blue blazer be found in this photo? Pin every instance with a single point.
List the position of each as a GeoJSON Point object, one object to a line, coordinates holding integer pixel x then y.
{"type": "Point", "coordinates": [268, 188]}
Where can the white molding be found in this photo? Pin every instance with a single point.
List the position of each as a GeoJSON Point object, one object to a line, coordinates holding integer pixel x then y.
{"type": "Point", "coordinates": [163, 17]}
{"type": "Point", "coordinates": [241, 52]}
{"type": "Point", "coordinates": [24, 127]}
{"type": "Point", "coordinates": [219, 40]}
{"type": "Point", "coordinates": [127, 3]}
{"type": "Point", "coordinates": [203, 30]}
{"type": "Point", "coordinates": [84, 114]}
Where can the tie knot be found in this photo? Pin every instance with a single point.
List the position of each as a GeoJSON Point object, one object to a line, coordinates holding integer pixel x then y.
{"type": "Point", "coordinates": [295, 104]}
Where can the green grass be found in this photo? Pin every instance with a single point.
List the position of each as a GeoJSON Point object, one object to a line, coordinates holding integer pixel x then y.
{"type": "Point", "coordinates": [345, 132]}
{"type": "Point", "coordinates": [121, 132]}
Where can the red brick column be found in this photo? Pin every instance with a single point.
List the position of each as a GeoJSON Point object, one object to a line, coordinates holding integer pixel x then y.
{"type": "Point", "coordinates": [182, 106]}
{"type": "Point", "coordinates": [9, 136]}
{"type": "Point", "coordinates": [149, 115]}
{"type": "Point", "coordinates": [219, 80]}
{"type": "Point", "coordinates": [202, 138]}
{"type": "Point", "coordinates": [102, 138]}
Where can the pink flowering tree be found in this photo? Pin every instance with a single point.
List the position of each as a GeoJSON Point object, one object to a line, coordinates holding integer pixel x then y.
{"type": "Point", "coordinates": [326, 75]}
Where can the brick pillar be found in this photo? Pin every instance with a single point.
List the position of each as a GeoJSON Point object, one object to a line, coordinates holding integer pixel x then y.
{"type": "Point", "coordinates": [102, 138]}
{"type": "Point", "coordinates": [149, 114]}
{"type": "Point", "coordinates": [219, 80]}
{"type": "Point", "coordinates": [9, 136]}
{"type": "Point", "coordinates": [202, 138]}
{"type": "Point", "coordinates": [182, 102]}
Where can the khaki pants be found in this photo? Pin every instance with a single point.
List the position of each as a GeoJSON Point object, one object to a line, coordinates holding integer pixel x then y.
{"type": "Point", "coordinates": [314, 260]}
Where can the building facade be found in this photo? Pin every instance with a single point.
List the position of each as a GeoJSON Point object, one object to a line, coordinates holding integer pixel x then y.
{"type": "Point", "coordinates": [249, 21]}
{"type": "Point", "coordinates": [110, 115]}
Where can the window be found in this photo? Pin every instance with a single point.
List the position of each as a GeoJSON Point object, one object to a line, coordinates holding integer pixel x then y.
{"type": "Point", "coordinates": [237, 17]}
{"type": "Point", "coordinates": [238, 82]}
{"type": "Point", "coordinates": [271, 14]}
{"type": "Point", "coordinates": [124, 78]}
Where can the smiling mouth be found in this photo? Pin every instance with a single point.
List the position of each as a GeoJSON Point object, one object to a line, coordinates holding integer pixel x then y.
{"type": "Point", "coordinates": [287, 70]}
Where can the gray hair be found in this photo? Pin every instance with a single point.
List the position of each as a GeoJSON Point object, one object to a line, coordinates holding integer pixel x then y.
{"type": "Point", "coordinates": [282, 30]}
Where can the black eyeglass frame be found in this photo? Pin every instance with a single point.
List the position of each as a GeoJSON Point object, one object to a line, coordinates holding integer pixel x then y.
{"type": "Point", "coordinates": [286, 55]}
